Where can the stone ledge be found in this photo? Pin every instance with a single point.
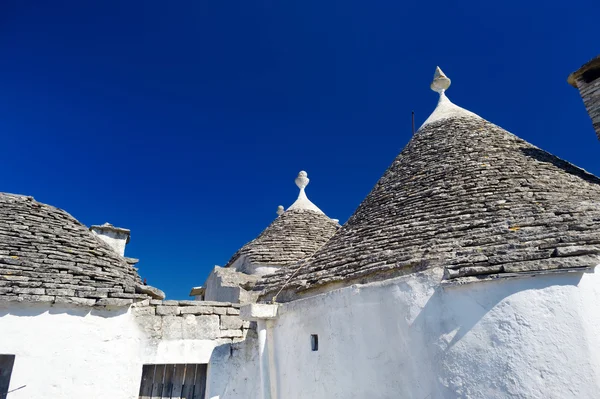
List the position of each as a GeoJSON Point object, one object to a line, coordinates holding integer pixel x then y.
{"type": "Point", "coordinates": [20, 297]}
{"type": "Point", "coordinates": [258, 311]}
{"type": "Point", "coordinates": [192, 315]}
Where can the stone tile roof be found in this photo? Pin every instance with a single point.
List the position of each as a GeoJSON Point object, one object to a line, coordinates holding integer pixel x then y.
{"type": "Point", "coordinates": [46, 255]}
{"type": "Point", "coordinates": [465, 195]}
{"type": "Point", "coordinates": [294, 235]}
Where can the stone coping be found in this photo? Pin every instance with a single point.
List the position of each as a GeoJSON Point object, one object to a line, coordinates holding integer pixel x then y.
{"type": "Point", "coordinates": [194, 319]}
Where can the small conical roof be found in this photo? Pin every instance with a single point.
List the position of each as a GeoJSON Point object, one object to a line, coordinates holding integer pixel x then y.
{"type": "Point", "coordinates": [466, 195]}
{"type": "Point", "coordinates": [294, 235]}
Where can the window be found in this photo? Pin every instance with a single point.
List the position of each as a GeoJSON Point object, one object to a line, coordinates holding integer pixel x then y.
{"type": "Point", "coordinates": [314, 342]}
{"type": "Point", "coordinates": [6, 366]}
{"type": "Point", "coordinates": [185, 381]}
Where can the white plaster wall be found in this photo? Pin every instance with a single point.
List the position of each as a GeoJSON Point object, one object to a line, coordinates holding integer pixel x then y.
{"type": "Point", "coordinates": [243, 265]}
{"type": "Point", "coordinates": [215, 290]}
{"type": "Point", "coordinates": [71, 352]}
{"type": "Point", "coordinates": [234, 371]}
{"type": "Point", "coordinates": [66, 353]}
{"type": "Point", "coordinates": [117, 241]}
{"type": "Point", "coordinates": [535, 337]}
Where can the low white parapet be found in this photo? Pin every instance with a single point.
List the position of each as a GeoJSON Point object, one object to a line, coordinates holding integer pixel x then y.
{"type": "Point", "coordinates": [258, 311]}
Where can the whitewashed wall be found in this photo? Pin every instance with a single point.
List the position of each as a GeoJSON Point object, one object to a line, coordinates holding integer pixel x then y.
{"type": "Point", "coordinates": [533, 337]}
{"type": "Point", "coordinates": [65, 353]}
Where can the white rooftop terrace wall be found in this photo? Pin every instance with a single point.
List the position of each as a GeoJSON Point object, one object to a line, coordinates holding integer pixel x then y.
{"type": "Point", "coordinates": [74, 352]}
{"type": "Point", "coordinates": [534, 337]}
{"type": "Point", "coordinates": [225, 284]}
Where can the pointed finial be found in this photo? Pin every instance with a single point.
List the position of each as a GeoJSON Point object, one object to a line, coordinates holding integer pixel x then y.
{"type": "Point", "coordinates": [302, 180]}
{"type": "Point", "coordinates": [303, 202]}
{"type": "Point", "coordinates": [445, 108]}
{"type": "Point", "coordinates": [280, 210]}
{"type": "Point", "coordinates": [440, 81]}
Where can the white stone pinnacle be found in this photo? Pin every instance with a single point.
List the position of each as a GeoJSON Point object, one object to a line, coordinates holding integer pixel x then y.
{"type": "Point", "coordinates": [280, 210]}
{"type": "Point", "coordinates": [303, 202]}
{"type": "Point", "coordinates": [445, 108]}
{"type": "Point", "coordinates": [302, 180]}
{"type": "Point", "coordinates": [441, 82]}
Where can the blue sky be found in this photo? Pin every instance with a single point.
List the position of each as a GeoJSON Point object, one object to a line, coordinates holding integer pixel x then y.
{"type": "Point", "coordinates": [188, 121]}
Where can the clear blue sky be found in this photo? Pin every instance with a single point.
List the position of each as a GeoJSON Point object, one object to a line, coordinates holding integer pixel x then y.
{"type": "Point", "coordinates": [187, 121]}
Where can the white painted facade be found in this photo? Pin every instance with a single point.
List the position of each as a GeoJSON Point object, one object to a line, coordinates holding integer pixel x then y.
{"type": "Point", "coordinates": [75, 352]}
{"type": "Point", "coordinates": [410, 337]}
{"type": "Point", "coordinates": [536, 337]}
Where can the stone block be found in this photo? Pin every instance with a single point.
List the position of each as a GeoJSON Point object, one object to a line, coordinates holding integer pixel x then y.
{"type": "Point", "coordinates": [60, 291]}
{"type": "Point", "coordinates": [196, 310]}
{"type": "Point", "coordinates": [576, 250]}
{"type": "Point", "coordinates": [37, 298]}
{"type": "Point", "coordinates": [145, 302]}
{"type": "Point", "coordinates": [75, 301]}
{"type": "Point", "coordinates": [145, 311]}
{"type": "Point", "coordinates": [31, 284]}
{"type": "Point", "coordinates": [215, 303]}
{"type": "Point", "coordinates": [200, 327]}
{"type": "Point", "coordinates": [233, 311]}
{"type": "Point", "coordinates": [14, 278]}
{"type": "Point", "coordinates": [92, 294]}
{"type": "Point", "coordinates": [25, 290]}
{"type": "Point", "coordinates": [167, 310]}
{"type": "Point", "coordinates": [114, 302]}
{"type": "Point", "coordinates": [9, 298]}
{"type": "Point", "coordinates": [172, 327]}
{"type": "Point", "coordinates": [220, 311]}
{"type": "Point", "coordinates": [150, 325]}
{"type": "Point", "coordinates": [231, 334]}
{"type": "Point", "coordinates": [191, 303]}
{"type": "Point", "coordinates": [155, 293]}
{"type": "Point", "coordinates": [257, 311]}
{"type": "Point", "coordinates": [127, 295]}
{"type": "Point", "coordinates": [107, 290]}
{"type": "Point", "coordinates": [230, 323]}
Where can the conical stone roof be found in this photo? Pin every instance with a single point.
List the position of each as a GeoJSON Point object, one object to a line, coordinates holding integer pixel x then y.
{"type": "Point", "coordinates": [296, 233]}
{"type": "Point", "coordinates": [46, 255]}
{"type": "Point", "coordinates": [293, 236]}
{"type": "Point", "coordinates": [465, 195]}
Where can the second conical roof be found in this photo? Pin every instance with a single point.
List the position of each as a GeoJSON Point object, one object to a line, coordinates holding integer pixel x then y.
{"type": "Point", "coordinates": [294, 235]}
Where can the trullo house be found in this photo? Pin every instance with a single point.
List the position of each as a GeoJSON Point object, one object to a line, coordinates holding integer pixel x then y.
{"type": "Point", "coordinates": [469, 271]}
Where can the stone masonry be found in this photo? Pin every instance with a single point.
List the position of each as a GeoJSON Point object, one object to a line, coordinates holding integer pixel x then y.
{"type": "Point", "coordinates": [169, 319]}
{"type": "Point", "coordinates": [46, 255]}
